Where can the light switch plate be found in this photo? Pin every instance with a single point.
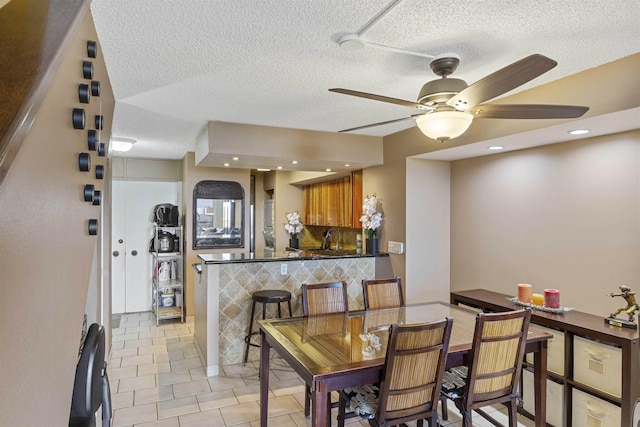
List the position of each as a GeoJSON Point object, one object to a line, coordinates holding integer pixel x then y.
{"type": "Point", "coordinates": [395, 247]}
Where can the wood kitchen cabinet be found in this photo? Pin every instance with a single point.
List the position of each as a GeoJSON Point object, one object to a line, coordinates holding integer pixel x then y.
{"type": "Point", "coordinates": [335, 203]}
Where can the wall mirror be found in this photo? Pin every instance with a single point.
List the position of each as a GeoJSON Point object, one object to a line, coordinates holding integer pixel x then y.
{"type": "Point", "coordinates": [218, 215]}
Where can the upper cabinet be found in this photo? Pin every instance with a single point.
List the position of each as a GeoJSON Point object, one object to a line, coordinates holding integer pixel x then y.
{"type": "Point", "coordinates": [336, 203]}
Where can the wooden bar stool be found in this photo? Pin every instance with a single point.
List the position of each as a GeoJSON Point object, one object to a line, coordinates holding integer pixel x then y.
{"type": "Point", "coordinates": [264, 297]}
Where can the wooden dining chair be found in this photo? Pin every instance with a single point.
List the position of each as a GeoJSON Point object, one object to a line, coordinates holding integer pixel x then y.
{"type": "Point", "coordinates": [382, 293]}
{"type": "Point", "coordinates": [494, 367]}
{"type": "Point", "coordinates": [323, 298]}
{"type": "Point", "coordinates": [411, 378]}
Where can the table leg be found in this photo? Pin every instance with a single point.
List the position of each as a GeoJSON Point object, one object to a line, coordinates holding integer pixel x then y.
{"type": "Point", "coordinates": [319, 406]}
{"type": "Point", "coordinates": [264, 380]}
{"type": "Point", "coordinates": [540, 383]}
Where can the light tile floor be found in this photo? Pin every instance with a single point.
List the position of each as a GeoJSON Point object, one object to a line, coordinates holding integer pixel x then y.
{"type": "Point", "coordinates": [157, 380]}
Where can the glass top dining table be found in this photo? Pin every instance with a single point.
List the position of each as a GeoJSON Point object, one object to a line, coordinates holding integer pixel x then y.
{"type": "Point", "coordinates": [334, 351]}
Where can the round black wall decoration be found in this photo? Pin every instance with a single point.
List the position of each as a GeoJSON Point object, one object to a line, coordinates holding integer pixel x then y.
{"type": "Point", "coordinates": [92, 49]}
{"type": "Point", "coordinates": [95, 88]}
{"type": "Point", "coordinates": [92, 227]}
{"type": "Point", "coordinates": [83, 93]}
{"type": "Point", "coordinates": [97, 198]}
{"type": "Point", "coordinates": [102, 149]}
{"type": "Point", "coordinates": [88, 193]}
{"type": "Point", "coordinates": [99, 122]}
{"type": "Point", "coordinates": [92, 140]}
{"type": "Point", "coordinates": [77, 118]}
{"type": "Point", "coordinates": [84, 162]}
{"type": "Point", "coordinates": [87, 70]}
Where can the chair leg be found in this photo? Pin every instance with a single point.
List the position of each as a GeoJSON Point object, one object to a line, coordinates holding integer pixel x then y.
{"type": "Point", "coordinates": [247, 339]}
{"type": "Point", "coordinates": [443, 406]}
{"type": "Point", "coordinates": [466, 417]}
{"type": "Point", "coordinates": [513, 416]}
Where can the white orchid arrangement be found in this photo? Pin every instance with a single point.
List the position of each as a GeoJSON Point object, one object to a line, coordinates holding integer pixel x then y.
{"type": "Point", "coordinates": [370, 219]}
{"type": "Point", "coordinates": [293, 224]}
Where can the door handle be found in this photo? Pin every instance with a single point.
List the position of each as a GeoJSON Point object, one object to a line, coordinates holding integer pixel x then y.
{"type": "Point", "coordinates": [116, 253]}
{"type": "Point", "coordinates": [134, 252]}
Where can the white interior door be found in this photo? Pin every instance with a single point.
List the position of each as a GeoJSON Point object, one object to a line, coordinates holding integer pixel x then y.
{"type": "Point", "coordinates": [118, 249]}
{"type": "Point", "coordinates": [133, 210]}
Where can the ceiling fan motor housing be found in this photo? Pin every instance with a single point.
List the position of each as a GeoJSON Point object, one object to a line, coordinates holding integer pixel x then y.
{"type": "Point", "coordinates": [440, 90]}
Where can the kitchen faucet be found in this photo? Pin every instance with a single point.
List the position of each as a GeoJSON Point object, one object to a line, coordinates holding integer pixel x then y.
{"type": "Point", "coordinates": [329, 234]}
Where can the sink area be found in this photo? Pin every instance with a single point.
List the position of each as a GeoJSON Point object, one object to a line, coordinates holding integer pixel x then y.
{"type": "Point", "coordinates": [332, 252]}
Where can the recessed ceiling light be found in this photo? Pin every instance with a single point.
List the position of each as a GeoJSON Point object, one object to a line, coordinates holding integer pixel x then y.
{"type": "Point", "coordinates": [347, 165]}
{"type": "Point", "coordinates": [579, 131]}
{"type": "Point", "coordinates": [122, 144]}
{"type": "Point", "coordinates": [279, 167]}
{"type": "Point", "coordinates": [235, 158]}
{"type": "Point", "coordinates": [496, 147]}
{"type": "Point", "coordinates": [295, 162]}
{"type": "Point", "coordinates": [227, 165]}
{"type": "Point", "coordinates": [327, 170]}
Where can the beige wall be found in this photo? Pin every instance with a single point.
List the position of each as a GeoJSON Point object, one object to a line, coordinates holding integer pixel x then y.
{"type": "Point", "coordinates": [50, 268]}
{"type": "Point", "coordinates": [428, 216]}
{"type": "Point", "coordinates": [287, 198]}
{"type": "Point", "coordinates": [563, 216]}
{"type": "Point", "coordinates": [389, 183]}
{"type": "Point", "coordinates": [191, 176]}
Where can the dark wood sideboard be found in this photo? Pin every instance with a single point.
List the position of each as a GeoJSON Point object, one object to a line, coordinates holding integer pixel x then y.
{"type": "Point", "coordinates": [595, 362]}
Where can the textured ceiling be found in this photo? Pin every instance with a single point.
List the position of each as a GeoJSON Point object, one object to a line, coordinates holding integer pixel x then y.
{"type": "Point", "coordinates": [174, 65]}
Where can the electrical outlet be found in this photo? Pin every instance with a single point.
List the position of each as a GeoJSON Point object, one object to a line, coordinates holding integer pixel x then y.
{"type": "Point", "coordinates": [395, 247]}
{"type": "Point", "coordinates": [283, 268]}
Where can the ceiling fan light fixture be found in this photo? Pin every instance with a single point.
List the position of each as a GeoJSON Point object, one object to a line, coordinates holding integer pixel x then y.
{"type": "Point", "coordinates": [444, 125]}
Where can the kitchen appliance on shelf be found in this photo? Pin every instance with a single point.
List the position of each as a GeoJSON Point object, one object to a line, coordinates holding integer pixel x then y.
{"type": "Point", "coordinates": [166, 215]}
{"type": "Point", "coordinates": [269, 232]}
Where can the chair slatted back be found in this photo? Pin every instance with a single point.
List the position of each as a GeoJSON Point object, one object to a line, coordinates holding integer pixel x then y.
{"type": "Point", "coordinates": [324, 298]}
{"type": "Point", "coordinates": [382, 293]}
{"type": "Point", "coordinates": [413, 371]}
{"type": "Point", "coordinates": [497, 353]}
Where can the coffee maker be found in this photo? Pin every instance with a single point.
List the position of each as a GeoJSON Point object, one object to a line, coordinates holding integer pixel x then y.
{"type": "Point", "coordinates": [166, 215]}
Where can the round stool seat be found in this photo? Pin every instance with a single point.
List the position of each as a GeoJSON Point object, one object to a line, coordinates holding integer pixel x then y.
{"type": "Point", "coordinates": [271, 296]}
{"type": "Point", "coordinates": [264, 297]}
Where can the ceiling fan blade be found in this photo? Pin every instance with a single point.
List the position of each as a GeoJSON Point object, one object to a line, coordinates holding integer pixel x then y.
{"type": "Point", "coordinates": [382, 98]}
{"type": "Point", "coordinates": [502, 81]}
{"type": "Point", "coordinates": [379, 124]}
{"type": "Point", "coordinates": [528, 111]}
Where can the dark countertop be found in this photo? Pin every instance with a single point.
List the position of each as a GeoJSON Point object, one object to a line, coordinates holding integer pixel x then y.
{"type": "Point", "coordinates": [224, 258]}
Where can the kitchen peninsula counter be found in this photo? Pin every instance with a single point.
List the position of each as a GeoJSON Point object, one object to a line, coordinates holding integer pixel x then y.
{"type": "Point", "coordinates": [225, 258]}
{"type": "Point", "coordinates": [222, 292]}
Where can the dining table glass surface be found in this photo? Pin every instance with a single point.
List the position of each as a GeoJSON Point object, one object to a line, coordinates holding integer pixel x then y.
{"type": "Point", "coordinates": [334, 340]}
{"type": "Point", "coordinates": [339, 350]}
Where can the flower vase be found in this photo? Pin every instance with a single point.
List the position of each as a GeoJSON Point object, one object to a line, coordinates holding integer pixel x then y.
{"type": "Point", "coordinates": [293, 242]}
{"type": "Point", "coordinates": [372, 246]}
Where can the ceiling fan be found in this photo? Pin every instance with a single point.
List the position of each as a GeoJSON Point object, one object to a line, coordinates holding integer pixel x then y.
{"type": "Point", "coordinates": [449, 105]}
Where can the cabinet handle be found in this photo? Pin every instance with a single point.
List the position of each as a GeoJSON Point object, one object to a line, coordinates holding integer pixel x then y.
{"type": "Point", "coordinates": [134, 252]}
{"type": "Point", "coordinates": [116, 253]}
